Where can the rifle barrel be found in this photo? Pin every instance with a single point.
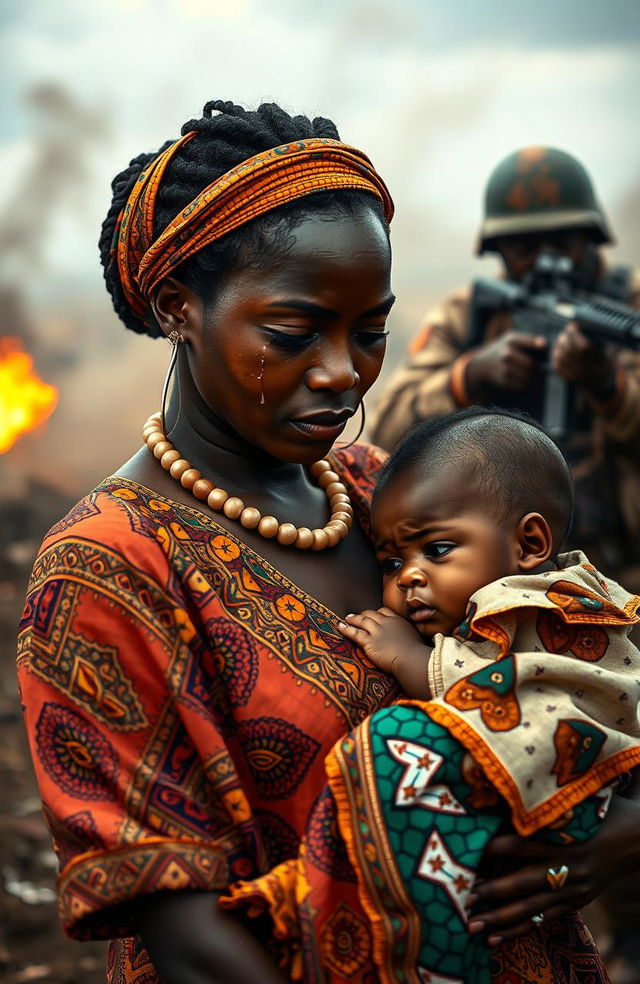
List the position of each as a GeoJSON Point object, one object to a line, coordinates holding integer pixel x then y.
{"type": "Point", "coordinates": [607, 322]}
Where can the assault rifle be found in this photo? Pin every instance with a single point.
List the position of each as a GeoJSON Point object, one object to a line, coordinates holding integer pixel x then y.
{"type": "Point", "coordinates": [546, 300]}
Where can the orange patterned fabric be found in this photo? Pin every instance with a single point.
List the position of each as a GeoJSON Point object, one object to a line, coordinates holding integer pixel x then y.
{"type": "Point", "coordinates": [180, 697]}
{"type": "Point", "coordinates": [257, 185]}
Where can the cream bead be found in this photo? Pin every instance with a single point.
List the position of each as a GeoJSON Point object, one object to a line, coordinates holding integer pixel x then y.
{"type": "Point", "coordinates": [337, 524]}
{"type": "Point", "coordinates": [327, 478]}
{"type": "Point", "coordinates": [342, 517]}
{"type": "Point", "coordinates": [154, 438]}
{"type": "Point", "coordinates": [287, 534]}
{"type": "Point", "coordinates": [320, 539]}
{"type": "Point", "coordinates": [341, 506]}
{"type": "Point", "coordinates": [168, 458]}
{"type": "Point", "coordinates": [335, 488]}
{"type": "Point", "coordinates": [333, 537]}
{"type": "Point", "coordinates": [189, 477]}
{"type": "Point", "coordinates": [268, 527]}
{"type": "Point", "coordinates": [319, 467]}
{"type": "Point", "coordinates": [250, 518]}
{"type": "Point", "coordinates": [233, 507]}
{"type": "Point", "coordinates": [201, 488]}
{"type": "Point", "coordinates": [161, 447]}
{"type": "Point", "coordinates": [217, 498]}
{"type": "Point", "coordinates": [304, 538]}
{"type": "Point", "coordinates": [339, 497]}
{"type": "Point", "coordinates": [178, 468]}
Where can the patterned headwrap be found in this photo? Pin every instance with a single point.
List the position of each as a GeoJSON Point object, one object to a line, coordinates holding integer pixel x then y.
{"type": "Point", "coordinates": [257, 185]}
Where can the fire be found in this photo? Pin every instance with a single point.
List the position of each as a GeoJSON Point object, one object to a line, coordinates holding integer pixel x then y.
{"type": "Point", "coordinates": [25, 401]}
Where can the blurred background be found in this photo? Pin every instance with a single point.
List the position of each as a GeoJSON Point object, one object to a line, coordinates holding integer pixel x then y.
{"type": "Point", "coordinates": [435, 91]}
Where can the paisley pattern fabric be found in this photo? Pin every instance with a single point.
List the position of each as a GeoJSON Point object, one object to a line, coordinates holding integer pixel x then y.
{"type": "Point", "coordinates": [180, 698]}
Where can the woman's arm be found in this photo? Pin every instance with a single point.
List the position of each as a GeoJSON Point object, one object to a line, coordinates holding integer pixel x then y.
{"type": "Point", "coordinates": [512, 899]}
{"type": "Point", "coordinates": [191, 941]}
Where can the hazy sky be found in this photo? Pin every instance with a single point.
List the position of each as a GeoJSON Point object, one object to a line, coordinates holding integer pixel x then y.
{"type": "Point", "coordinates": [435, 91]}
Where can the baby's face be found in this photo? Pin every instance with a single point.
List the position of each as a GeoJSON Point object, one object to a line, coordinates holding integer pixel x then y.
{"type": "Point", "coordinates": [437, 544]}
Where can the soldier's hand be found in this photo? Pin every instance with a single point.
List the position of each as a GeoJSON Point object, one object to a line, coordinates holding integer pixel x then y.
{"type": "Point", "coordinates": [507, 363]}
{"type": "Point", "coordinates": [579, 361]}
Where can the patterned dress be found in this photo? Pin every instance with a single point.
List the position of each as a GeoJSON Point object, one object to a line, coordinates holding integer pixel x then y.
{"type": "Point", "coordinates": [180, 698]}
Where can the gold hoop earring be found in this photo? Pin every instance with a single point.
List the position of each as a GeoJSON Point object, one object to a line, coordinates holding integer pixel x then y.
{"type": "Point", "coordinates": [363, 421]}
{"type": "Point", "coordinates": [174, 338]}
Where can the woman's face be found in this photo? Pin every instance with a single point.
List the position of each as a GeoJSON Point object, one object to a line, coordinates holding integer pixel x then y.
{"type": "Point", "coordinates": [289, 348]}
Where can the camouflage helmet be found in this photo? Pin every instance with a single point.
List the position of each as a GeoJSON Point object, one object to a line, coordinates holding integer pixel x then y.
{"type": "Point", "coordinates": [536, 189]}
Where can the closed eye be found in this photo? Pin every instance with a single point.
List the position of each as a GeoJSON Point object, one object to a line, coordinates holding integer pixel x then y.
{"type": "Point", "coordinates": [371, 337]}
{"type": "Point", "coordinates": [289, 340]}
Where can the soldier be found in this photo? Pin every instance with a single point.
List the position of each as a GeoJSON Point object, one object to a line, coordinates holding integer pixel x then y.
{"type": "Point", "coordinates": [541, 198]}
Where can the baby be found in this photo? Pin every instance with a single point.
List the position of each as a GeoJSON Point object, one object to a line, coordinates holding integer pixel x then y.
{"type": "Point", "coordinates": [523, 695]}
{"type": "Point", "coordinates": [517, 652]}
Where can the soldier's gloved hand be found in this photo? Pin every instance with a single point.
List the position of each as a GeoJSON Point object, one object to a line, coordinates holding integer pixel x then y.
{"type": "Point", "coordinates": [579, 361]}
{"type": "Point", "coordinates": [507, 363]}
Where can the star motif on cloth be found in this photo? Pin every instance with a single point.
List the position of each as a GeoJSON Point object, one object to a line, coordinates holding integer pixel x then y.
{"type": "Point", "coordinates": [430, 977]}
{"type": "Point", "coordinates": [438, 865]}
{"type": "Point", "coordinates": [414, 788]}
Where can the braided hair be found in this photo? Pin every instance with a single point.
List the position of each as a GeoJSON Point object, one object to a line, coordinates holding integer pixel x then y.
{"type": "Point", "coordinates": [227, 135]}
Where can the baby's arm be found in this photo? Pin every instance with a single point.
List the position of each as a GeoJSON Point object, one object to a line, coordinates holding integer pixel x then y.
{"type": "Point", "coordinates": [393, 645]}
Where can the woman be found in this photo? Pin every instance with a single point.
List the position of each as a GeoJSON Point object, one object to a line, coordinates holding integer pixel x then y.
{"type": "Point", "coordinates": [180, 663]}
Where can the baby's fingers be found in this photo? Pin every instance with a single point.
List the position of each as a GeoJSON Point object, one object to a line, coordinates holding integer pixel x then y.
{"type": "Point", "coordinates": [352, 630]}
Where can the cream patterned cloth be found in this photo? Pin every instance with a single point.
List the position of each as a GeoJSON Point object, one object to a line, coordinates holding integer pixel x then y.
{"type": "Point", "coordinates": [542, 685]}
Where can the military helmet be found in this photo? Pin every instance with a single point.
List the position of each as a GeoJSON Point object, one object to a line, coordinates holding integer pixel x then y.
{"type": "Point", "coordinates": [539, 188]}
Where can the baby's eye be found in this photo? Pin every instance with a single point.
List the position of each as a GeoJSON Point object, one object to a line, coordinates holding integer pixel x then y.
{"type": "Point", "coordinates": [390, 565]}
{"type": "Point", "coordinates": [438, 549]}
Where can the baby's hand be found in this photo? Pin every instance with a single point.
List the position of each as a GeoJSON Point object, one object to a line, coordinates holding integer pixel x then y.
{"type": "Point", "coordinates": [393, 645]}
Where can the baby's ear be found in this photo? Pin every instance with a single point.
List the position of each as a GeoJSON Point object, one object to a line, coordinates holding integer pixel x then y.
{"type": "Point", "coordinates": [535, 542]}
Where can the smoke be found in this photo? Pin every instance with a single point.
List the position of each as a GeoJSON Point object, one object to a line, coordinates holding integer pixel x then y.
{"type": "Point", "coordinates": [55, 177]}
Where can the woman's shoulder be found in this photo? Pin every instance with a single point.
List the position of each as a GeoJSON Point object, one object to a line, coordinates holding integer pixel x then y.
{"type": "Point", "coordinates": [113, 504]}
{"type": "Point", "coordinates": [359, 465]}
{"type": "Point", "coordinates": [113, 519]}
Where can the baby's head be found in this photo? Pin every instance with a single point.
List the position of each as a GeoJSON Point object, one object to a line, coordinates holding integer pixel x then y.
{"type": "Point", "coordinates": [464, 500]}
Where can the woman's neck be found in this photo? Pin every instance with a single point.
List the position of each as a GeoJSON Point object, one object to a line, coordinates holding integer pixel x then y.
{"type": "Point", "coordinates": [220, 453]}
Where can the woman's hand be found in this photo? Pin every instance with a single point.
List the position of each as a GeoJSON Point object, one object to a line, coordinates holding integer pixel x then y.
{"type": "Point", "coordinates": [512, 899]}
{"type": "Point", "coordinates": [192, 941]}
{"type": "Point", "coordinates": [393, 645]}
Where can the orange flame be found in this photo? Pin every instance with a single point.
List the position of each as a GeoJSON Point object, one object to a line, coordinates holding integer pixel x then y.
{"type": "Point", "coordinates": [25, 401]}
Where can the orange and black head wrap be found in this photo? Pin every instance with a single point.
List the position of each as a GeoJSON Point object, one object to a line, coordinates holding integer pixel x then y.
{"type": "Point", "coordinates": [257, 185]}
